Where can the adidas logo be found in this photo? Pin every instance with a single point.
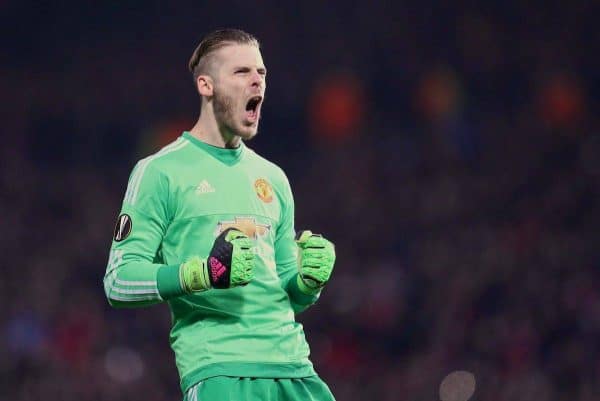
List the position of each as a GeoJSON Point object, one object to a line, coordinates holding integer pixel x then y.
{"type": "Point", "coordinates": [204, 188]}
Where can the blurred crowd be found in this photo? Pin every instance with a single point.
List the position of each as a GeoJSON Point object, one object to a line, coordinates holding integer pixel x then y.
{"type": "Point", "coordinates": [451, 153]}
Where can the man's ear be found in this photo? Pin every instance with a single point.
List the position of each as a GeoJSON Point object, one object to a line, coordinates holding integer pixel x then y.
{"type": "Point", "coordinates": [204, 83]}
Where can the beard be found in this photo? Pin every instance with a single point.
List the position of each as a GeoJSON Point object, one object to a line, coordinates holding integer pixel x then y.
{"type": "Point", "coordinates": [223, 107]}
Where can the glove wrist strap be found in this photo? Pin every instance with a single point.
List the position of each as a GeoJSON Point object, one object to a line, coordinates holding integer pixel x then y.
{"type": "Point", "coordinates": [305, 288]}
{"type": "Point", "coordinates": [194, 275]}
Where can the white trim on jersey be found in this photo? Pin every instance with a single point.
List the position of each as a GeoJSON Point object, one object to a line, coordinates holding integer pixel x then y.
{"type": "Point", "coordinates": [115, 286]}
{"type": "Point", "coordinates": [132, 283]}
{"type": "Point", "coordinates": [141, 291]}
{"type": "Point", "coordinates": [134, 184]}
{"type": "Point", "coordinates": [133, 298]}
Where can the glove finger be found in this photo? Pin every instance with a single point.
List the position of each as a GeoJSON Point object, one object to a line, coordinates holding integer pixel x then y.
{"type": "Point", "coordinates": [247, 274]}
{"type": "Point", "coordinates": [244, 272]}
{"type": "Point", "coordinates": [310, 271]}
{"type": "Point", "coordinates": [319, 275]}
{"type": "Point", "coordinates": [245, 258]}
{"type": "Point", "coordinates": [315, 264]}
{"type": "Point", "coordinates": [242, 242]}
{"type": "Point", "coordinates": [316, 245]}
{"type": "Point", "coordinates": [316, 242]}
{"type": "Point", "coordinates": [233, 234]}
{"type": "Point", "coordinates": [312, 253]}
{"type": "Point", "coordinates": [328, 249]}
{"type": "Point", "coordinates": [316, 259]}
{"type": "Point", "coordinates": [250, 272]}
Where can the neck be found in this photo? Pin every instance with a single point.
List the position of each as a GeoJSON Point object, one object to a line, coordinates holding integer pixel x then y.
{"type": "Point", "coordinates": [208, 130]}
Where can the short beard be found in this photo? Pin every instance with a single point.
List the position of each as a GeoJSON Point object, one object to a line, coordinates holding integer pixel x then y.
{"type": "Point", "coordinates": [223, 109]}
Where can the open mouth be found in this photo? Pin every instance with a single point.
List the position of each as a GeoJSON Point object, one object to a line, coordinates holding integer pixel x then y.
{"type": "Point", "coordinates": [253, 108]}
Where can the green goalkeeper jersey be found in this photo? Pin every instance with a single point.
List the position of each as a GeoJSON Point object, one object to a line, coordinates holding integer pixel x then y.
{"type": "Point", "coordinates": [177, 202]}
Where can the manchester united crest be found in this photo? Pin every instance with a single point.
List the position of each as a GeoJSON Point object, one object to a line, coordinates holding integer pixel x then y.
{"type": "Point", "coordinates": [263, 190]}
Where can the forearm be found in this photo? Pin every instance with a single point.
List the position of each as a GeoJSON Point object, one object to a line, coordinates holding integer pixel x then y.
{"type": "Point", "coordinates": [141, 283]}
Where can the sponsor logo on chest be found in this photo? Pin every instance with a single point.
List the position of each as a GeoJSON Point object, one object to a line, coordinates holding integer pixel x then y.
{"type": "Point", "coordinates": [247, 225]}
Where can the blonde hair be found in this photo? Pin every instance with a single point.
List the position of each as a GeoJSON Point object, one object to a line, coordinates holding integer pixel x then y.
{"type": "Point", "coordinates": [200, 60]}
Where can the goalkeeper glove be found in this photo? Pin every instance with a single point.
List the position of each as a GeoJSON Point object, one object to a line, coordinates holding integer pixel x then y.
{"type": "Point", "coordinates": [229, 264]}
{"type": "Point", "coordinates": [316, 257]}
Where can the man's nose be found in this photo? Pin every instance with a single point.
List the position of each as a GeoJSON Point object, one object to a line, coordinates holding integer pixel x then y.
{"type": "Point", "coordinates": [258, 80]}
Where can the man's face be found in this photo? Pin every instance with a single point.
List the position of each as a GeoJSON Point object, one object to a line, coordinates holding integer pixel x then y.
{"type": "Point", "coordinates": [239, 89]}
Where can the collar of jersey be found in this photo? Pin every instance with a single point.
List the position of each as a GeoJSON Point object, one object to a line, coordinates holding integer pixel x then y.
{"type": "Point", "coordinates": [225, 155]}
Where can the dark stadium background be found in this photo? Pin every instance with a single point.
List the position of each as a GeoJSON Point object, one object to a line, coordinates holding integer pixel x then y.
{"type": "Point", "coordinates": [451, 151]}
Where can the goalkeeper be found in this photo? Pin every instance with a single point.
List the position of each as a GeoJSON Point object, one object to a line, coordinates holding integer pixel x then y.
{"type": "Point", "coordinates": [207, 226]}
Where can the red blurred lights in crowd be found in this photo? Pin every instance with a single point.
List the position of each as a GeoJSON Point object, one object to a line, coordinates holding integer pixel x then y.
{"type": "Point", "coordinates": [336, 107]}
{"type": "Point", "coordinates": [560, 101]}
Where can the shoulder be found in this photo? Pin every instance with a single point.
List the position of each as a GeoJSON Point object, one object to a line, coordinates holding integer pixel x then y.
{"type": "Point", "coordinates": [162, 164]}
{"type": "Point", "coordinates": [152, 173]}
{"type": "Point", "coordinates": [164, 159]}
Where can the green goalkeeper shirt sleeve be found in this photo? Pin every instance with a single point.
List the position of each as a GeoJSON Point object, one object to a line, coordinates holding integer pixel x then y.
{"type": "Point", "coordinates": [286, 254]}
{"type": "Point", "coordinates": [135, 275]}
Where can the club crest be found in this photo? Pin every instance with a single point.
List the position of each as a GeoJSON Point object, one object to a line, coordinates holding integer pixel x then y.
{"type": "Point", "coordinates": [263, 190]}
